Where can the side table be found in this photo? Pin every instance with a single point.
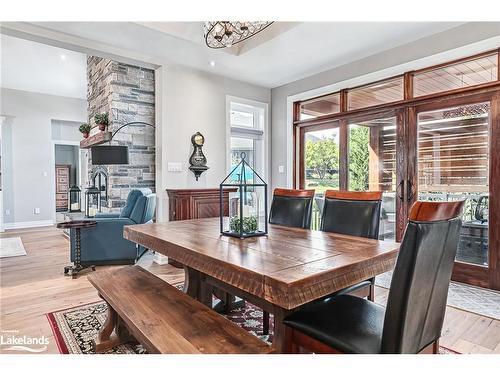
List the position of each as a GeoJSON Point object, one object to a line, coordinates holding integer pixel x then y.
{"type": "Point", "coordinates": [77, 225]}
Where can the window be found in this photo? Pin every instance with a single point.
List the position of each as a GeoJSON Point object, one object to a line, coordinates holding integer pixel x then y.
{"type": "Point", "coordinates": [454, 76]}
{"type": "Point", "coordinates": [321, 160]}
{"type": "Point", "coordinates": [247, 125]}
{"type": "Point", "coordinates": [324, 105]}
{"type": "Point", "coordinates": [387, 91]}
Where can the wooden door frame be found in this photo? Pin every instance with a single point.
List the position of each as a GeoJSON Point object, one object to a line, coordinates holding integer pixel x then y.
{"type": "Point", "coordinates": [486, 277]}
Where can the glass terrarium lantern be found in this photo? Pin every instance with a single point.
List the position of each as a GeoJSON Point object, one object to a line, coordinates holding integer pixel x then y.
{"type": "Point", "coordinates": [93, 201]}
{"type": "Point", "coordinates": [247, 201]}
{"type": "Point", "coordinates": [74, 199]}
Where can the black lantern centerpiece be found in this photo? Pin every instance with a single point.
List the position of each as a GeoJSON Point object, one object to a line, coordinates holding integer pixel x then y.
{"type": "Point", "coordinates": [93, 201]}
{"type": "Point", "coordinates": [75, 202]}
{"type": "Point", "coordinates": [247, 205]}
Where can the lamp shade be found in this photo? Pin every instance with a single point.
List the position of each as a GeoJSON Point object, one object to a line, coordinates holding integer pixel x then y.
{"type": "Point", "coordinates": [106, 155]}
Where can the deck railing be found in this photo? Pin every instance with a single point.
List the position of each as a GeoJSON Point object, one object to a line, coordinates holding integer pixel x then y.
{"type": "Point", "coordinates": [471, 200]}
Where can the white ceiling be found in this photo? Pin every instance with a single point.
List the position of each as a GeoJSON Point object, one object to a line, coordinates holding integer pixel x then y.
{"type": "Point", "coordinates": [36, 67]}
{"type": "Point", "coordinates": [282, 53]}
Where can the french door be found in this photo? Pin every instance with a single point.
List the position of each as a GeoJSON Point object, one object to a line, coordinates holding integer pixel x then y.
{"type": "Point", "coordinates": [446, 149]}
{"type": "Point", "coordinates": [454, 154]}
{"type": "Point", "coordinates": [364, 153]}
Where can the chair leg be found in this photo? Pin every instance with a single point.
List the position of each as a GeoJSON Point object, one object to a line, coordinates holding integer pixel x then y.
{"type": "Point", "coordinates": [435, 347]}
{"type": "Point", "coordinates": [291, 346]}
{"type": "Point", "coordinates": [371, 294]}
{"type": "Point", "coordinates": [265, 322]}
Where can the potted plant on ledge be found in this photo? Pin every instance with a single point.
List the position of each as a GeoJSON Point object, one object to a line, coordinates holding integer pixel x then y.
{"type": "Point", "coordinates": [102, 120]}
{"type": "Point", "coordinates": [85, 130]}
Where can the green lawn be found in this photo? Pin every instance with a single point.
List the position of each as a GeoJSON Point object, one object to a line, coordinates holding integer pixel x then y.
{"type": "Point", "coordinates": [320, 185]}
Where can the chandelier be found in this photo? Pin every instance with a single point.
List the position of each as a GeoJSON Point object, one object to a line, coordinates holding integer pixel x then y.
{"type": "Point", "coordinates": [222, 34]}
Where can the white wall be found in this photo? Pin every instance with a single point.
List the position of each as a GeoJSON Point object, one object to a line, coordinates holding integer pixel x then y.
{"type": "Point", "coordinates": [30, 182]}
{"type": "Point", "coordinates": [196, 101]}
{"type": "Point", "coordinates": [461, 41]}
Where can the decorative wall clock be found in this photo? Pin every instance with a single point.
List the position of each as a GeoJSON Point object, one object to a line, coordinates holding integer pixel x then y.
{"type": "Point", "coordinates": [198, 161]}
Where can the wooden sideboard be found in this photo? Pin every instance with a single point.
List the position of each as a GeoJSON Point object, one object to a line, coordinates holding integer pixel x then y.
{"type": "Point", "coordinates": [186, 204]}
{"type": "Point", "coordinates": [63, 175]}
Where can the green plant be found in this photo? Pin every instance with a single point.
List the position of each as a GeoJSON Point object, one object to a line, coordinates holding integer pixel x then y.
{"type": "Point", "coordinates": [359, 157]}
{"type": "Point", "coordinates": [102, 118]}
{"type": "Point", "coordinates": [322, 156]}
{"type": "Point", "coordinates": [249, 224]}
{"type": "Point", "coordinates": [84, 128]}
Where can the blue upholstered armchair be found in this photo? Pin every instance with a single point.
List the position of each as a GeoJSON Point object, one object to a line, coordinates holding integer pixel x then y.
{"type": "Point", "coordinates": [104, 243]}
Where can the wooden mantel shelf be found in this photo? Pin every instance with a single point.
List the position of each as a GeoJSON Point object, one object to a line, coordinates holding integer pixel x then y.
{"type": "Point", "coordinates": [95, 139]}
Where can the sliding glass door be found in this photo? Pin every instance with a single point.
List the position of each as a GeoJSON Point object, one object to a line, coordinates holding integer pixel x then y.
{"type": "Point", "coordinates": [453, 162]}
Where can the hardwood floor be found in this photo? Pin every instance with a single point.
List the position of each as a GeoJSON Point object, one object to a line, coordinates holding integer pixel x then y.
{"type": "Point", "coordinates": [34, 285]}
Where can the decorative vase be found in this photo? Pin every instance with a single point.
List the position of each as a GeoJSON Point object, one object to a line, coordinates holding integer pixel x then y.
{"type": "Point", "coordinates": [85, 135]}
{"type": "Point", "coordinates": [102, 127]}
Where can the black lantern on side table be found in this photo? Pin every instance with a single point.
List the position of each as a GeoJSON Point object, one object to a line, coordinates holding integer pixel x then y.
{"type": "Point", "coordinates": [93, 201]}
{"type": "Point", "coordinates": [75, 202]}
{"type": "Point", "coordinates": [247, 205]}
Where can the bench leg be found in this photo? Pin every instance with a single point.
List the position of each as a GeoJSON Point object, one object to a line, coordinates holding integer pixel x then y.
{"type": "Point", "coordinates": [104, 340]}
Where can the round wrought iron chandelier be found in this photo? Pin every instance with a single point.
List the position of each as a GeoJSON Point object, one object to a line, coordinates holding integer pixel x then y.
{"type": "Point", "coordinates": [222, 34]}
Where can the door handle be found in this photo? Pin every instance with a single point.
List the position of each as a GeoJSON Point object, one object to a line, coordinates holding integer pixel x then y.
{"type": "Point", "coordinates": [399, 190]}
{"type": "Point", "coordinates": [410, 193]}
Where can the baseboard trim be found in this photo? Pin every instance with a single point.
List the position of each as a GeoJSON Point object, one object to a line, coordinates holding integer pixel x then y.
{"type": "Point", "coordinates": [28, 224]}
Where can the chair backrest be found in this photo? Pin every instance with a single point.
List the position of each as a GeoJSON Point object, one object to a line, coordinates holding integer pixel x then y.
{"type": "Point", "coordinates": [419, 288]}
{"type": "Point", "coordinates": [356, 213]}
{"type": "Point", "coordinates": [292, 208]}
{"type": "Point", "coordinates": [132, 199]}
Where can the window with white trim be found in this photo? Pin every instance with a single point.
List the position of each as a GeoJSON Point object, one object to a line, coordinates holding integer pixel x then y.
{"type": "Point", "coordinates": [247, 134]}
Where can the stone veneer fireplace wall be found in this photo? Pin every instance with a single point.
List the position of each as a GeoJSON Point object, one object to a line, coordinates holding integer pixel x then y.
{"type": "Point", "coordinates": [127, 93]}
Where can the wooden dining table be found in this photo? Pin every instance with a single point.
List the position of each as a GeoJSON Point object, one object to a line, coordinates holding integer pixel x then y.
{"type": "Point", "coordinates": [280, 272]}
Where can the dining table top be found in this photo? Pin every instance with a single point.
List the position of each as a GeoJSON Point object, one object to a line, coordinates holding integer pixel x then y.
{"type": "Point", "coordinates": [288, 267]}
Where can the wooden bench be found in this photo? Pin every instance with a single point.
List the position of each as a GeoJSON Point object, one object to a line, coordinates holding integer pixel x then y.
{"type": "Point", "coordinates": [164, 319]}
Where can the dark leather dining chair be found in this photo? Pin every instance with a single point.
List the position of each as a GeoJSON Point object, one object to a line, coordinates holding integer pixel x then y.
{"type": "Point", "coordinates": [413, 318]}
{"type": "Point", "coordinates": [356, 213]}
{"type": "Point", "coordinates": [291, 208]}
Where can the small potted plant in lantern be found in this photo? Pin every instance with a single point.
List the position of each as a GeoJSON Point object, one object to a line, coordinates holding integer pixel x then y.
{"type": "Point", "coordinates": [85, 130]}
{"type": "Point", "coordinates": [102, 120]}
{"type": "Point", "coordinates": [247, 205]}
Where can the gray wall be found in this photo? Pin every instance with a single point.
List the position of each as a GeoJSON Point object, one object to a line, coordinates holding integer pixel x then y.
{"type": "Point", "coordinates": [196, 101]}
{"type": "Point", "coordinates": [448, 40]}
{"type": "Point", "coordinates": [31, 183]}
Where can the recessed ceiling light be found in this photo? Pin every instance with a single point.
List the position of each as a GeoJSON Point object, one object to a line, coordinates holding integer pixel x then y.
{"type": "Point", "coordinates": [212, 63]}
{"type": "Point", "coordinates": [63, 57]}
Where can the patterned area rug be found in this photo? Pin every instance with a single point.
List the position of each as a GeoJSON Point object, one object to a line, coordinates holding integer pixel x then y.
{"type": "Point", "coordinates": [75, 328]}
{"type": "Point", "coordinates": [480, 301]}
